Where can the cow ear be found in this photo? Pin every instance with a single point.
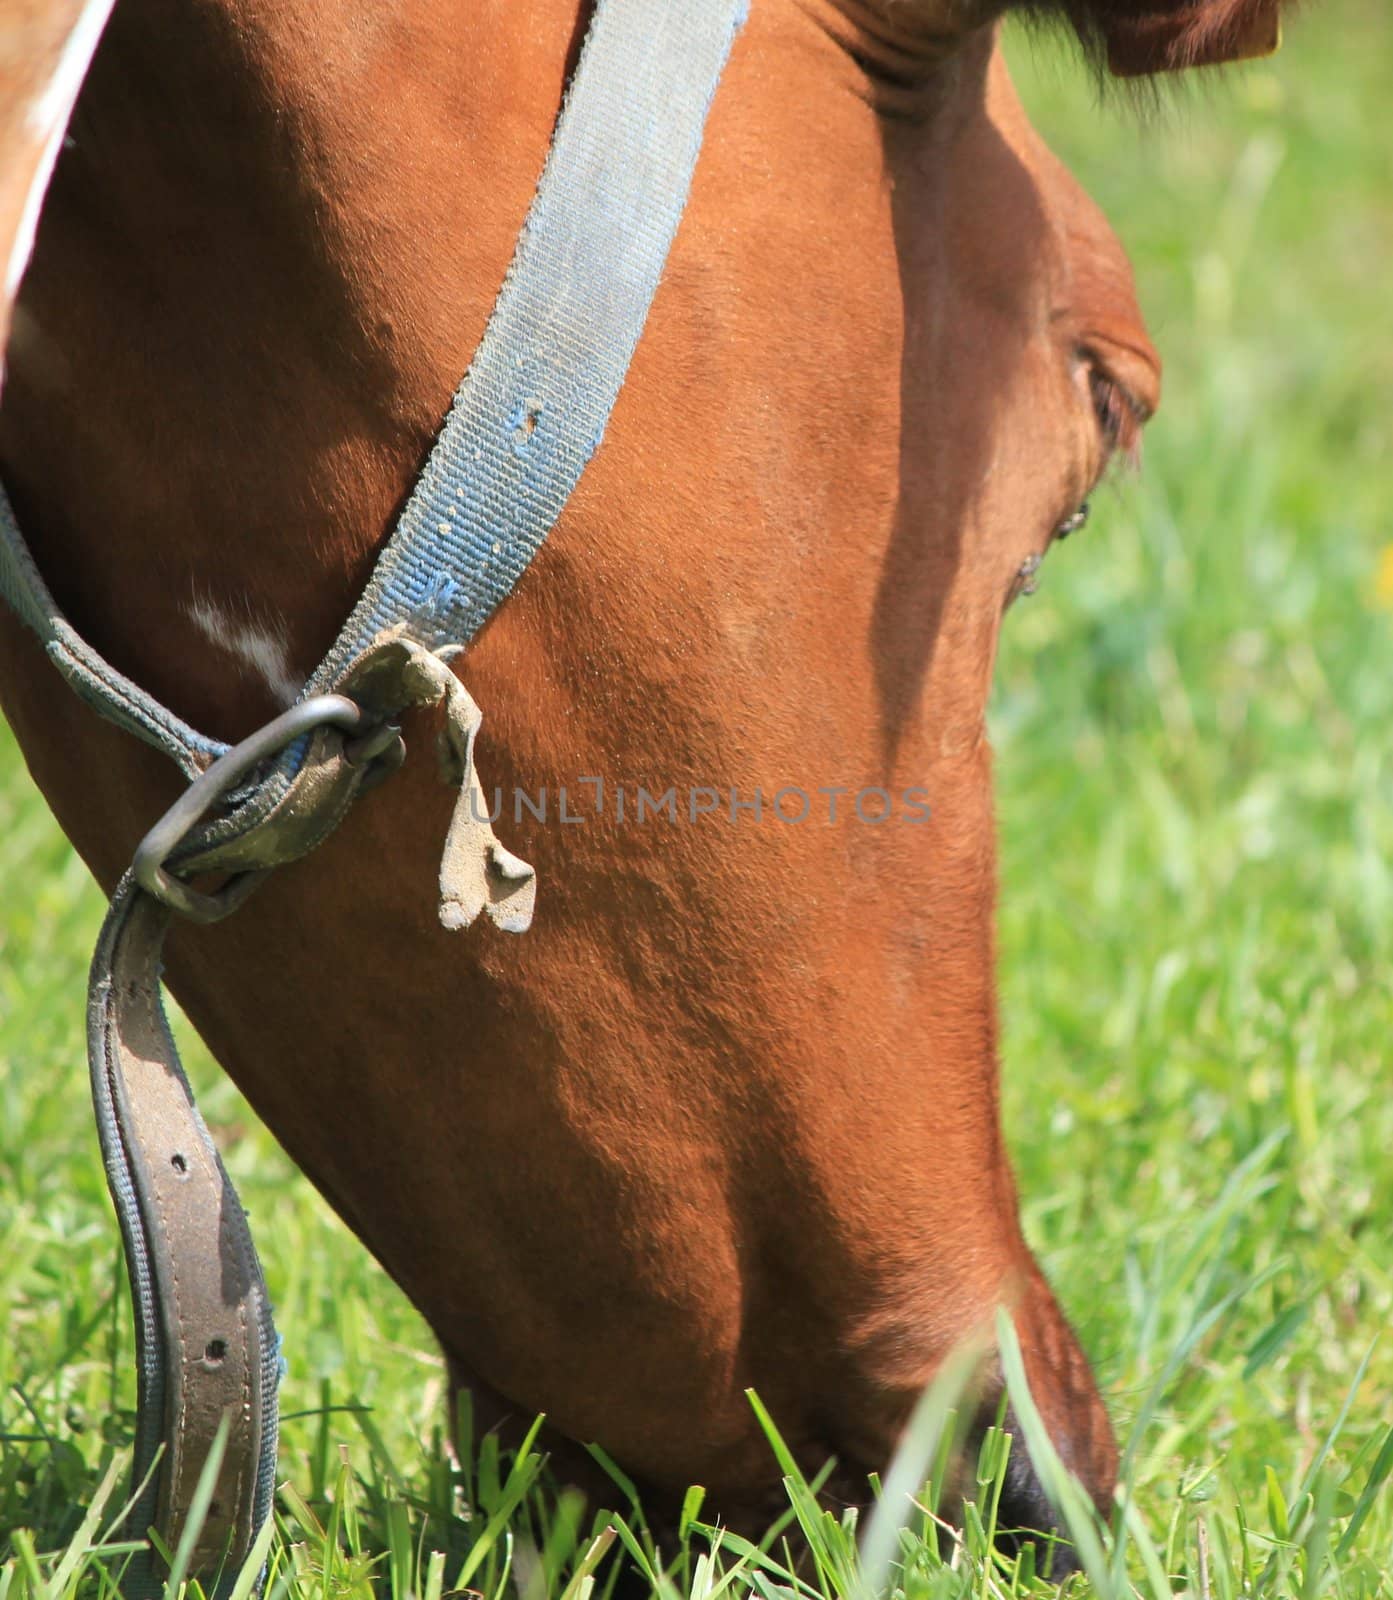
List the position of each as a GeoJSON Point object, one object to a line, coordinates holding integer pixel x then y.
{"type": "Point", "coordinates": [1167, 37]}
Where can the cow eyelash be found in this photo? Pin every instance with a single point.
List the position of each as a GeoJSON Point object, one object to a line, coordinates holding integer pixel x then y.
{"type": "Point", "coordinates": [1119, 417]}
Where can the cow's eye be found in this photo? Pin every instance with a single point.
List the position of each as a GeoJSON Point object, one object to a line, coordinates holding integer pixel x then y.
{"type": "Point", "coordinates": [1119, 415]}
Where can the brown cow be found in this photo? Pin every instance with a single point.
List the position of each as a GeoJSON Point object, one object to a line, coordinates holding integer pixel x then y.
{"type": "Point", "coordinates": [728, 1115]}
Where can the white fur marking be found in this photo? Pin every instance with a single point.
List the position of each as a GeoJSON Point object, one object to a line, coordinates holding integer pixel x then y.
{"type": "Point", "coordinates": [257, 647]}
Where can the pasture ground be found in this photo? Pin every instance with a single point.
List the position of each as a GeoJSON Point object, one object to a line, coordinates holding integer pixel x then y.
{"type": "Point", "coordinates": [1192, 721]}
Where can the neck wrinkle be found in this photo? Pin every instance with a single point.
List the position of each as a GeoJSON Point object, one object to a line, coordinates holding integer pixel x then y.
{"type": "Point", "coordinates": [904, 51]}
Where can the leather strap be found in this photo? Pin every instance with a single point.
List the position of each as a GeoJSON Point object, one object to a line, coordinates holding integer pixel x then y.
{"type": "Point", "coordinates": [205, 1344]}
{"type": "Point", "coordinates": [206, 1347]}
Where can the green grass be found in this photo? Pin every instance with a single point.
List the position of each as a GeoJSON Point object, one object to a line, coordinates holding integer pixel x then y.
{"type": "Point", "coordinates": [1196, 800]}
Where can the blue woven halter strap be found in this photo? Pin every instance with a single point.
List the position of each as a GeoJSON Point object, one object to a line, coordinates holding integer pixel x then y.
{"type": "Point", "coordinates": [528, 416]}
{"type": "Point", "coordinates": [533, 406]}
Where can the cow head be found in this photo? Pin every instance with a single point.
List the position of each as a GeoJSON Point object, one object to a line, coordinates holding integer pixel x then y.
{"type": "Point", "coordinates": [728, 1116]}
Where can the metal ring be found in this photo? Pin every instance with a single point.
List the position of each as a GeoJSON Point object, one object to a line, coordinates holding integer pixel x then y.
{"type": "Point", "coordinates": [335, 710]}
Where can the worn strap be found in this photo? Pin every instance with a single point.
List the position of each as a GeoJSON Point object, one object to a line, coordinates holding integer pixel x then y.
{"type": "Point", "coordinates": [205, 1344]}
{"type": "Point", "coordinates": [99, 683]}
{"type": "Point", "coordinates": [533, 406]}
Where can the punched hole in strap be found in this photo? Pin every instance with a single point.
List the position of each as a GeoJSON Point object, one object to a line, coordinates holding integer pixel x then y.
{"type": "Point", "coordinates": [215, 1353]}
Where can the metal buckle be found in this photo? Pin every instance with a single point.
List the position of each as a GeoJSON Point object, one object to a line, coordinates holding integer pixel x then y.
{"type": "Point", "coordinates": [335, 710]}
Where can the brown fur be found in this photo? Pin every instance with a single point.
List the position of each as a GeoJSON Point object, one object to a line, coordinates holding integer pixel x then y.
{"type": "Point", "coordinates": [1138, 37]}
{"type": "Point", "coordinates": [728, 1115]}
